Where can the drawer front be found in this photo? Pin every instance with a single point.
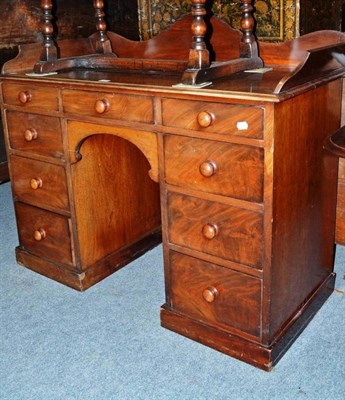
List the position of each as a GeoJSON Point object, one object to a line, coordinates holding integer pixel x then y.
{"type": "Point", "coordinates": [220, 168]}
{"type": "Point", "coordinates": [44, 234]}
{"type": "Point", "coordinates": [29, 96]}
{"type": "Point", "coordinates": [218, 229]}
{"type": "Point", "coordinates": [39, 183]}
{"type": "Point", "coordinates": [215, 295]}
{"type": "Point", "coordinates": [224, 119]}
{"type": "Point", "coordinates": [36, 134]}
{"type": "Point", "coordinates": [109, 105]}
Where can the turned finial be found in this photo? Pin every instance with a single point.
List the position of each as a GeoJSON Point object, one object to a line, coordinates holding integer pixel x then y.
{"type": "Point", "coordinates": [49, 51]}
{"type": "Point", "coordinates": [103, 44]}
{"type": "Point", "coordinates": [247, 27]}
{"type": "Point", "coordinates": [198, 54]}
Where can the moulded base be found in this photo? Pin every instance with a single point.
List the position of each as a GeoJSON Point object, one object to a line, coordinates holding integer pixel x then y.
{"type": "Point", "coordinates": [257, 354]}
{"type": "Point", "coordinates": [82, 280]}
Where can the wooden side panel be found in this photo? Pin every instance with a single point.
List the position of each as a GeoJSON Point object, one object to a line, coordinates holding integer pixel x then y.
{"type": "Point", "coordinates": [116, 202]}
{"type": "Point", "coordinates": [305, 180]}
{"type": "Point", "coordinates": [340, 221]}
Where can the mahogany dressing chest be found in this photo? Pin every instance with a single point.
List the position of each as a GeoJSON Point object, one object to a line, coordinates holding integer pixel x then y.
{"type": "Point", "coordinates": [217, 141]}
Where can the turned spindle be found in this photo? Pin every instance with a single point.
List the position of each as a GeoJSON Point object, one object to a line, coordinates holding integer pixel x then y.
{"type": "Point", "coordinates": [198, 55]}
{"type": "Point", "coordinates": [249, 44]}
{"type": "Point", "coordinates": [49, 51]}
{"type": "Point", "coordinates": [103, 44]}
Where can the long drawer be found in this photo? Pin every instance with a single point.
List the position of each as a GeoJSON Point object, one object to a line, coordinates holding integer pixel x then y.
{"type": "Point", "coordinates": [226, 119]}
{"type": "Point", "coordinates": [44, 234]}
{"type": "Point", "coordinates": [37, 134]}
{"type": "Point", "coordinates": [218, 229]}
{"type": "Point", "coordinates": [132, 108]}
{"type": "Point", "coordinates": [39, 183]}
{"type": "Point", "coordinates": [221, 168]}
{"type": "Point", "coordinates": [215, 295]}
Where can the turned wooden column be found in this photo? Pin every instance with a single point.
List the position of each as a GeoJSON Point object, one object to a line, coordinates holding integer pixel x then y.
{"type": "Point", "coordinates": [103, 44]}
{"type": "Point", "coordinates": [198, 55]}
{"type": "Point", "coordinates": [249, 46]}
{"type": "Point", "coordinates": [49, 50]}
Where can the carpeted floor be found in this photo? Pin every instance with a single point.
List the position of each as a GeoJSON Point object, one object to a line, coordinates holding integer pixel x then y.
{"type": "Point", "coordinates": [107, 343]}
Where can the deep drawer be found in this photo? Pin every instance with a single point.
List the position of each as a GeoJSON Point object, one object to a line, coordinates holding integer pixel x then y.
{"type": "Point", "coordinates": [36, 134]}
{"type": "Point", "coordinates": [30, 97]}
{"type": "Point", "coordinates": [221, 168]}
{"type": "Point", "coordinates": [227, 119]}
{"type": "Point", "coordinates": [109, 105]}
{"type": "Point", "coordinates": [39, 183]}
{"type": "Point", "coordinates": [44, 234]}
{"type": "Point", "coordinates": [215, 295]}
{"type": "Point", "coordinates": [218, 229]}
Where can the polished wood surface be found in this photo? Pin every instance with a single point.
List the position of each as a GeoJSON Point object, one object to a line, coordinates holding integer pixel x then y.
{"type": "Point", "coordinates": [221, 230]}
{"type": "Point", "coordinates": [236, 173]}
{"type": "Point", "coordinates": [227, 169]}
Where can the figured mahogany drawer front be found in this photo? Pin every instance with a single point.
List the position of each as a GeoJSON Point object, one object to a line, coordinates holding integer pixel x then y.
{"type": "Point", "coordinates": [44, 234]}
{"type": "Point", "coordinates": [220, 168]}
{"type": "Point", "coordinates": [215, 295]}
{"type": "Point", "coordinates": [215, 118]}
{"type": "Point", "coordinates": [39, 183]}
{"type": "Point", "coordinates": [29, 96]}
{"type": "Point", "coordinates": [214, 228]}
{"type": "Point", "coordinates": [36, 134]}
{"type": "Point", "coordinates": [109, 105]}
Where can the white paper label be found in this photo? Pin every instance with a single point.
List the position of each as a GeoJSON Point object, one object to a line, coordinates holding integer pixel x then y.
{"type": "Point", "coordinates": [242, 125]}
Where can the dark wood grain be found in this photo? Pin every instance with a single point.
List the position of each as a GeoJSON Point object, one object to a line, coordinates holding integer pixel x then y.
{"type": "Point", "coordinates": [304, 199]}
{"type": "Point", "coordinates": [238, 304]}
{"type": "Point", "coordinates": [239, 168]}
{"type": "Point", "coordinates": [116, 204]}
{"type": "Point", "coordinates": [31, 97]}
{"type": "Point", "coordinates": [122, 107]}
{"type": "Point", "coordinates": [56, 246]}
{"type": "Point", "coordinates": [53, 191]}
{"type": "Point", "coordinates": [238, 236]}
{"type": "Point", "coordinates": [48, 138]}
{"type": "Point", "coordinates": [229, 120]}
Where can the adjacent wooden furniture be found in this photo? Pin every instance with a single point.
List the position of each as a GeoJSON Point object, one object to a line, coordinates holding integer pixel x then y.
{"type": "Point", "coordinates": [247, 190]}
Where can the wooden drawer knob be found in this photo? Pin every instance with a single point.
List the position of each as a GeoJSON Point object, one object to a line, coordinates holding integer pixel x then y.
{"type": "Point", "coordinates": [24, 97]}
{"type": "Point", "coordinates": [30, 135]}
{"type": "Point", "coordinates": [36, 183]}
{"type": "Point", "coordinates": [205, 119]}
{"type": "Point", "coordinates": [39, 234]}
{"type": "Point", "coordinates": [102, 106]}
{"type": "Point", "coordinates": [210, 231]}
{"type": "Point", "coordinates": [208, 168]}
{"type": "Point", "coordinates": [210, 294]}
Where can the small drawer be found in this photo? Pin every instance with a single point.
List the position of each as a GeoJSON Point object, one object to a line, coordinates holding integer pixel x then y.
{"type": "Point", "coordinates": [221, 168]}
{"type": "Point", "coordinates": [226, 119]}
{"type": "Point", "coordinates": [39, 183]}
{"type": "Point", "coordinates": [218, 229]}
{"type": "Point", "coordinates": [215, 295]}
{"type": "Point", "coordinates": [31, 97]}
{"type": "Point", "coordinates": [36, 134]}
{"type": "Point", "coordinates": [44, 234]}
{"type": "Point", "coordinates": [109, 105]}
